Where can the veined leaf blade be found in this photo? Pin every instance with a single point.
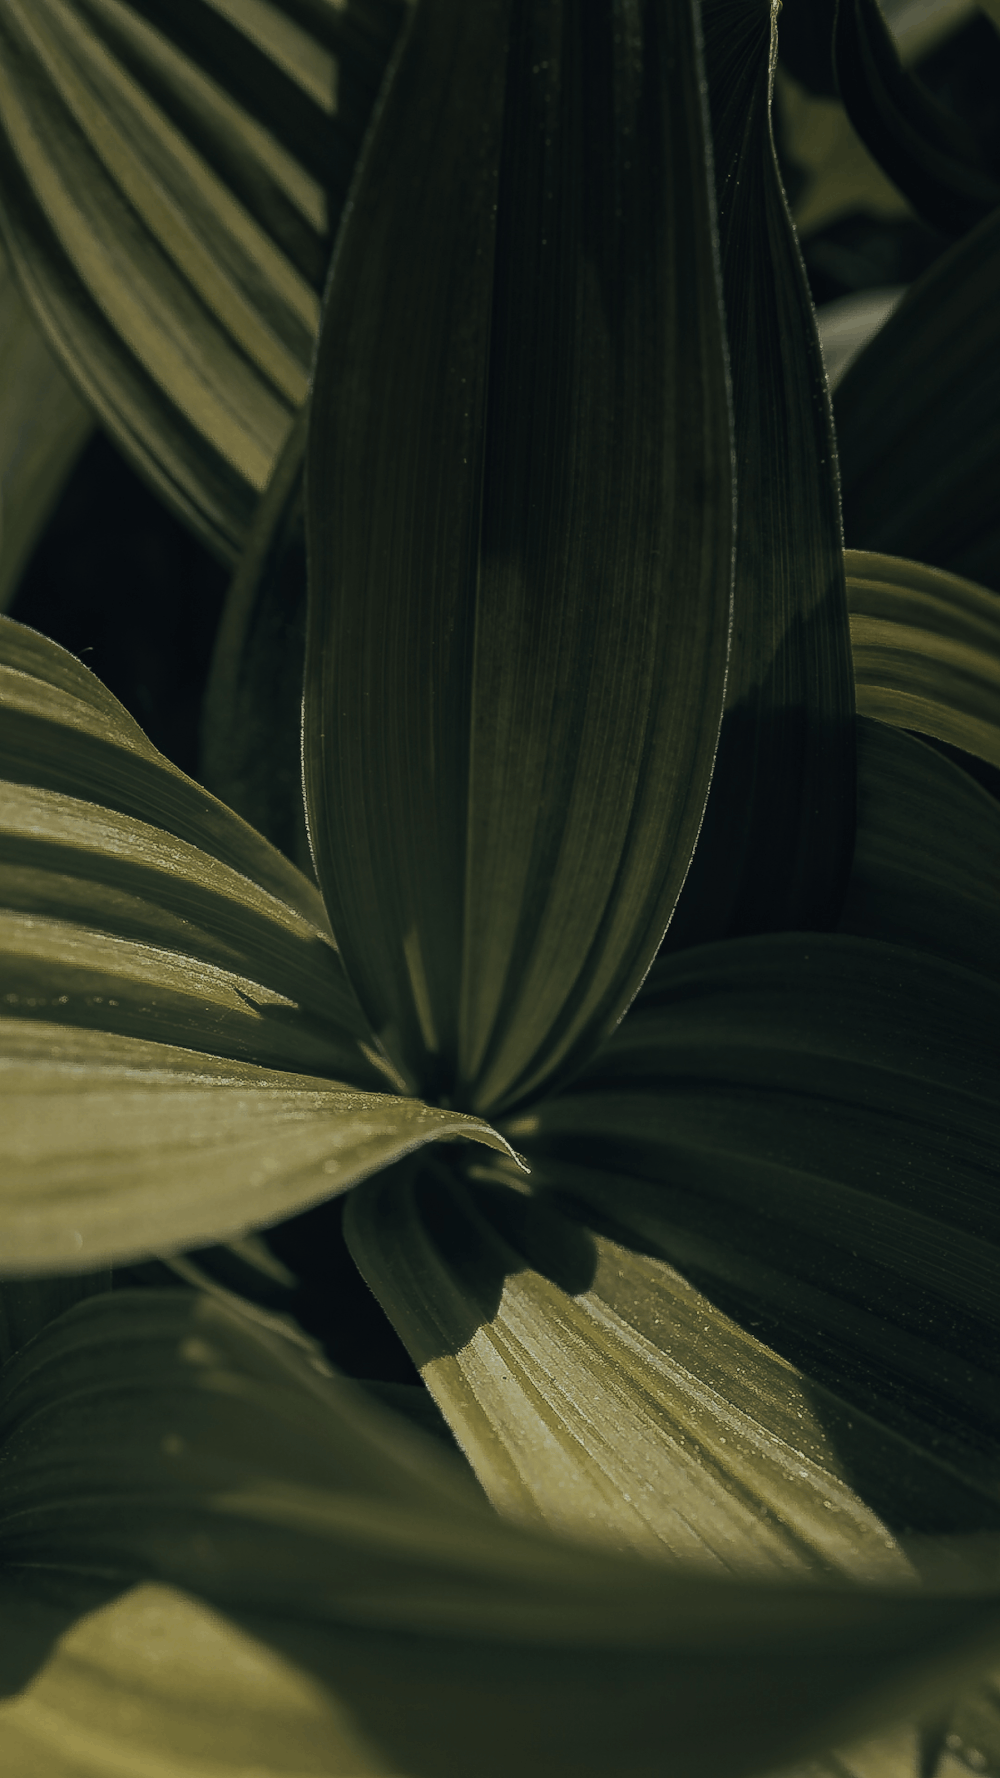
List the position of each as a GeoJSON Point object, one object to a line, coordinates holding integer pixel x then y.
{"type": "Point", "coordinates": [519, 538]}
{"type": "Point", "coordinates": [390, 1611]}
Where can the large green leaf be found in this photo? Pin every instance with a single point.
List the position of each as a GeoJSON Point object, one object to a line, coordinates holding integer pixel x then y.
{"type": "Point", "coordinates": [172, 173]}
{"type": "Point", "coordinates": [116, 1147]}
{"type": "Point", "coordinates": [926, 651]}
{"type": "Point", "coordinates": [926, 867]}
{"type": "Point", "coordinates": [927, 151]}
{"type": "Point", "coordinates": [805, 1128]}
{"type": "Point", "coordinates": [918, 419]}
{"type": "Point", "coordinates": [252, 723]}
{"type": "Point", "coordinates": [775, 846]}
{"type": "Point", "coordinates": [365, 1612]}
{"type": "Point", "coordinates": [61, 730]}
{"type": "Point", "coordinates": [181, 1054]}
{"type": "Point", "coordinates": [43, 428]}
{"type": "Point", "coordinates": [518, 508]}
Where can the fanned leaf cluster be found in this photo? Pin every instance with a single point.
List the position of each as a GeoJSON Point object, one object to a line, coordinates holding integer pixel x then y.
{"type": "Point", "coordinates": [639, 997]}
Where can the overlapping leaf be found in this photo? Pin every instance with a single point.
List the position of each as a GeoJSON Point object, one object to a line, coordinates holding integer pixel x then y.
{"type": "Point", "coordinates": [926, 651]}
{"type": "Point", "coordinates": [775, 846]}
{"type": "Point", "coordinates": [181, 1055]}
{"type": "Point", "coordinates": [518, 509]}
{"type": "Point", "coordinates": [172, 177]}
{"type": "Point", "coordinates": [918, 419]}
{"type": "Point", "coordinates": [43, 428]}
{"type": "Point", "coordinates": [252, 725]}
{"type": "Point", "coordinates": [805, 1128]}
{"type": "Point", "coordinates": [926, 867]}
{"type": "Point", "coordinates": [161, 1444]}
{"type": "Point", "coordinates": [925, 149]}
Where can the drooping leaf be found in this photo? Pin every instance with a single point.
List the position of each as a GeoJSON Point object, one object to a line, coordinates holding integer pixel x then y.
{"type": "Point", "coordinates": [918, 419]}
{"type": "Point", "coordinates": [117, 1147]}
{"type": "Point", "coordinates": [360, 1594]}
{"type": "Point", "coordinates": [924, 148]}
{"type": "Point", "coordinates": [775, 846]}
{"type": "Point", "coordinates": [926, 651]}
{"type": "Point", "coordinates": [806, 1127]}
{"type": "Point", "coordinates": [518, 511]}
{"type": "Point", "coordinates": [43, 428]}
{"type": "Point", "coordinates": [252, 723]}
{"type": "Point", "coordinates": [172, 173]}
{"type": "Point", "coordinates": [926, 869]}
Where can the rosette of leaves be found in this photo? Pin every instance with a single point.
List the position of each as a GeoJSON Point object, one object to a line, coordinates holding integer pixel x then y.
{"type": "Point", "coordinates": [691, 1241]}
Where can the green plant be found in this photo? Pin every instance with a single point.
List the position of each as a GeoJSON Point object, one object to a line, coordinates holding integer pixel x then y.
{"type": "Point", "coordinates": [703, 1290]}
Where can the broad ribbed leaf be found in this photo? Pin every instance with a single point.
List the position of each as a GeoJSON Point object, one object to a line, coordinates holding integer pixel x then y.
{"type": "Point", "coordinates": [43, 428]}
{"type": "Point", "coordinates": [252, 724]}
{"type": "Point", "coordinates": [926, 651]}
{"type": "Point", "coordinates": [782, 1326]}
{"type": "Point", "coordinates": [117, 1148]}
{"type": "Point", "coordinates": [775, 846]}
{"type": "Point", "coordinates": [61, 730]}
{"type": "Point", "coordinates": [181, 1054]}
{"type": "Point", "coordinates": [518, 509]}
{"type": "Point", "coordinates": [926, 150]}
{"type": "Point", "coordinates": [172, 174]}
{"type": "Point", "coordinates": [926, 867]}
{"type": "Point", "coordinates": [160, 1443]}
{"type": "Point", "coordinates": [918, 419]}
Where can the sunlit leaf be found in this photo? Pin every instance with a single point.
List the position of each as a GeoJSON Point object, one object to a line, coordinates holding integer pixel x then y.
{"type": "Point", "coordinates": [775, 846]}
{"type": "Point", "coordinates": [117, 1147]}
{"type": "Point", "coordinates": [596, 1390]}
{"type": "Point", "coordinates": [251, 730]}
{"type": "Point", "coordinates": [926, 149]}
{"type": "Point", "coordinates": [172, 178]}
{"type": "Point", "coordinates": [916, 414]}
{"type": "Point", "coordinates": [61, 730]}
{"type": "Point", "coordinates": [361, 1594]}
{"type": "Point", "coordinates": [43, 428]}
{"type": "Point", "coordinates": [763, 1122]}
{"type": "Point", "coordinates": [518, 509]}
{"type": "Point", "coordinates": [926, 651]}
{"type": "Point", "coordinates": [926, 867]}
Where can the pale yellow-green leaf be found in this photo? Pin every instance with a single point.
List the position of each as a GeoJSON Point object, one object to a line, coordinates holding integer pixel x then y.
{"type": "Point", "coordinates": [117, 1147]}
{"type": "Point", "coordinates": [926, 649]}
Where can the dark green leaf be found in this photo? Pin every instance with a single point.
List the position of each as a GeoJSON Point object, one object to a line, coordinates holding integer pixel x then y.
{"type": "Point", "coordinates": [43, 428]}
{"type": "Point", "coordinates": [926, 651]}
{"type": "Point", "coordinates": [518, 505]}
{"type": "Point", "coordinates": [775, 846]}
{"type": "Point", "coordinates": [806, 1127]}
{"type": "Point", "coordinates": [918, 419]}
{"type": "Point", "coordinates": [252, 724]}
{"type": "Point", "coordinates": [924, 148]}
{"type": "Point", "coordinates": [364, 1610]}
{"type": "Point", "coordinates": [172, 174]}
{"type": "Point", "coordinates": [926, 867]}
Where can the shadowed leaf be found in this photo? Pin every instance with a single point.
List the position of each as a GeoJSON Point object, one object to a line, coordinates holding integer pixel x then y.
{"type": "Point", "coordinates": [925, 149]}
{"type": "Point", "coordinates": [518, 509]}
{"type": "Point", "coordinates": [926, 867]}
{"type": "Point", "coordinates": [918, 419]}
{"type": "Point", "coordinates": [775, 846]}
{"type": "Point", "coordinates": [358, 1590]}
